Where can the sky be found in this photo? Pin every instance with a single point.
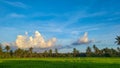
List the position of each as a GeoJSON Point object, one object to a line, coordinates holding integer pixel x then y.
{"type": "Point", "coordinates": [65, 20]}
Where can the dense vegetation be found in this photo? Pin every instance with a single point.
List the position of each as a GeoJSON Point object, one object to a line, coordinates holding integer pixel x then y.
{"type": "Point", "coordinates": [21, 53]}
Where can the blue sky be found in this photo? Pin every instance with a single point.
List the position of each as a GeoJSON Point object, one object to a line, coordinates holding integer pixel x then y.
{"type": "Point", "coordinates": [67, 20]}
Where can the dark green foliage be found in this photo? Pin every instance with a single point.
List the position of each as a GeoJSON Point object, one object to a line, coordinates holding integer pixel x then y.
{"type": "Point", "coordinates": [23, 53]}
{"type": "Point", "coordinates": [45, 53]}
{"type": "Point", "coordinates": [75, 52]}
{"type": "Point", "coordinates": [7, 48]}
{"type": "Point", "coordinates": [56, 52]}
{"type": "Point", "coordinates": [30, 51]}
{"type": "Point", "coordinates": [88, 52]}
{"type": "Point", "coordinates": [117, 40]}
{"type": "Point", "coordinates": [50, 52]}
{"type": "Point", "coordinates": [1, 48]}
{"type": "Point", "coordinates": [11, 53]}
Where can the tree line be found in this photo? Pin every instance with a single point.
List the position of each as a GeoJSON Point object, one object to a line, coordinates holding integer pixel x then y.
{"type": "Point", "coordinates": [96, 52]}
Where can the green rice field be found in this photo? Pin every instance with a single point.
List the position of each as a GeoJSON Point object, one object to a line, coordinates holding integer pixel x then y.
{"type": "Point", "coordinates": [60, 63]}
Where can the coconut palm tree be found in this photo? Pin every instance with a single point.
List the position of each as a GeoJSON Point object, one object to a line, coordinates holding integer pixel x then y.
{"type": "Point", "coordinates": [74, 52]}
{"type": "Point", "coordinates": [31, 51]}
{"type": "Point", "coordinates": [7, 48]}
{"type": "Point", "coordinates": [18, 52]}
{"type": "Point", "coordinates": [88, 51]}
{"type": "Point", "coordinates": [56, 52]}
{"type": "Point", "coordinates": [1, 48]}
{"type": "Point", "coordinates": [50, 53]}
{"type": "Point", "coordinates": [118, 49]}
{"type": "Point", "coordinates": [117, 40]}
{"type": "Point", "coordinates": [96, 50]}
{"type": "Point", "coordinates": [45, 53]}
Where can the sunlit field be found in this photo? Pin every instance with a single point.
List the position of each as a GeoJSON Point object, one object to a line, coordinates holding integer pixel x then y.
{"type": "Point", "coordinates": [60, 63]}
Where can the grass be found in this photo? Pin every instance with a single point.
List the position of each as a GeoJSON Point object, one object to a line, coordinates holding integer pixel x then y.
{"type": "Point", "coordinates": [60, 63]}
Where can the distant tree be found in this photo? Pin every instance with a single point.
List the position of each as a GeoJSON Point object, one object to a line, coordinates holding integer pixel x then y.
{"type": "Point", "coordinates": [7, 48]}
{"type": "Point", "coordinates": [106, 52]}
{"type": "Point", "coordinates": [56, 52]}
{"type": "Point", "coordinates": [50, 52]}
{"type": "Point", "coordinates": [94, 47]}
{"type": "Point", "coordinates": [88, 52]}
{"type": "Point", "coordinates": [11, 53]}
{"type": "Point", "coordinates": [118, 49]}
{"type": "Point", "coordinates": [96, 51]}
{"type": "Point", "coordinates": [75, 52]}
{"type": "Point", "coordinates": [24, 53]}
{"type": "Point", "coordinates": [30, 51]}
{"type": "Point", "coordinates": [78, 53]}
{"type": "Point", "coordinates": [113, 52]}
{"type": "Point", "coordinates": [69, 54]}
{"type": "Point", "coordinates": [45, 53]}
{"type": "Point", "coordinates": [19, 52]}
{"type": "Point", "coordinates": [1, 52]}
{"type": "Point", "coordinates": [117, 40]}
{"type": "Point", "coordinates": [1, 49]}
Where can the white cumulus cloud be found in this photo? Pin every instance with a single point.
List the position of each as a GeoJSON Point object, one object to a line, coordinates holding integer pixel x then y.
{"type": "Point", "coordinates": [36, 41]}
{"type": "Point", "coordinates": [82, 40]}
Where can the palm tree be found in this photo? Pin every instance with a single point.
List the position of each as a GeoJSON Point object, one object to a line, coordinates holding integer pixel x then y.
{"type": "Point", "coordinates": [1, 52]}
{"type": "Point", "coordinates": [106, 52]}
{"type": "Point", "coordinates": [56, 52]}
{"type": "Point", "coordinates": [7, 48]}
{"type": "Point", "coordinates": [50, 52]}
{"type": "Point", "coordinates": [74, 52]}
{"type": "Point", "coordinates": [96, 50]}
{"type": "Point", "coordinates": [30, 50]}
{"type": "Point", "coordinates": [117, 40]}
{"type": "Point", "coordinates": [1, 48]}
{"type": "Point", "coordinates": [88, 51]}
{"type": "Point", "coordinates": [11, 53]}
{"type": "Point", "coordinates": [118, 49]}
{"type": "Point", "coordinates": [45, 53]}
{"type": "Point", "coordinates": [19, 52]}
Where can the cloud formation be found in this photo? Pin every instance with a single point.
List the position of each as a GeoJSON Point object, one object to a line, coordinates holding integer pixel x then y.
{"type": "Point", "coordinates": [83, 40]}
{"type": "Point", "coordinates": [15, 15]}
{"type": "Point", "coordinates": [37, 41]}
{"type": "Point", "coordinates": [16, 4]}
